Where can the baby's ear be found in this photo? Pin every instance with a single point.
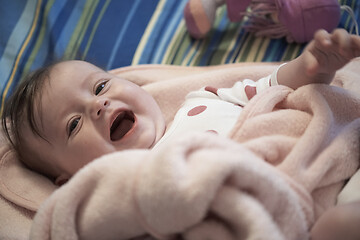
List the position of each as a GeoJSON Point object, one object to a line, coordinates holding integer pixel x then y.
{"type": "Point", "coordinates": [62, 179]}
{"type": "Point", "coordinates": [199, 16]}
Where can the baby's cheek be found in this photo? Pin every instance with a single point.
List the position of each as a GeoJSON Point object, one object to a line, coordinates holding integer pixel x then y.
{"type": "Point", "coordinates": [327, 227]}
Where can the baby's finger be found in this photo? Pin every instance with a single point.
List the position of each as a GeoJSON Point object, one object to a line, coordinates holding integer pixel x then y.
{"type": "Point", "coordinates": [322, 39]}
{"type": "Point", "coordinates": [342, 42]}
{"type": "Point", "coordinates": [355, 44]}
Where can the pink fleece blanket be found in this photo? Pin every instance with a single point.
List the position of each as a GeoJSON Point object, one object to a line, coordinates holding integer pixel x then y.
{"type": "Point", "coordinates": [283, 164]}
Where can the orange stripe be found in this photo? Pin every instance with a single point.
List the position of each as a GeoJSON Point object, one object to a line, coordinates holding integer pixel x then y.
{"type": "Point", "coordinates": [18, 57]}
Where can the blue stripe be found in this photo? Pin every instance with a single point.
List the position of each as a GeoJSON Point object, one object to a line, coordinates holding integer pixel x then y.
{"type": "Point", "coordinates": [117, 36]}
{"type": "Point", "coordinates": [122, 32]}
{"type": "Point", "coordinates": [194, 53]}
{"type": "Point", "coordinates": [93, 20]}
{"type": "Point", "coordinates": [69, 27]}
{"type": "Point", "coordinates": [135, 33]}
{"type": "Point", "coordinates": [243, 36]}
{"type": "Point", "coordinates": [272, 52]}
{"type": "Point", "coordinates": [162, 32]}
{"type": "Point", "coordinates": [105, 36]}
{"type": "Point", "coordinates": [47, 44]}
{"type": "Point", "coordinates": [11, 14]}
{"type": "Point", "coordinates": [230, 58]}
{"type": "Point", "coordinates": [167, 33]}
{"type": "Point", "coordinates": [57, 29]}
{"type": "Point", "coordinates": [16, 41]}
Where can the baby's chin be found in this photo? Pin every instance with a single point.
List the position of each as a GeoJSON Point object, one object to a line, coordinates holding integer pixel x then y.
{"type": "Point", "coordinates": [133, 141]}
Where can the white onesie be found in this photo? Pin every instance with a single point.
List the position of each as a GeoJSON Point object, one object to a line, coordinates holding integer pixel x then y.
{"type": "Point", "coordinates": [215, 109]}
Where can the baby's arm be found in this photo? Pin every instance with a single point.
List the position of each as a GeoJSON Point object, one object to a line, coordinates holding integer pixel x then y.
{"type": "Point", "coordinates": [339, 222]}
{"type": "Point", "coordinates": [323, 56]}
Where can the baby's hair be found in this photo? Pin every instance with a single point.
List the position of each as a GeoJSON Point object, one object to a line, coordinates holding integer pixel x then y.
{"type": "Point", "coordinates": [20, 108]}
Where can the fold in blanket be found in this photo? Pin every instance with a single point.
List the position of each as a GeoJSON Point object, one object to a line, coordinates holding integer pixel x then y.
{"type": "Point", "coordinates": [288, 157]}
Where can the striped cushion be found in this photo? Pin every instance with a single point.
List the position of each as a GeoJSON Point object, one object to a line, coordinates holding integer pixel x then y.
{"type": "Point", "coordinates": [116, 33]}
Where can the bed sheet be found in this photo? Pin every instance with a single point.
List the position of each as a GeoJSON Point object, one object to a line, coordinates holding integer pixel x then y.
{"type": "Point", "coordinates": [116, 33]}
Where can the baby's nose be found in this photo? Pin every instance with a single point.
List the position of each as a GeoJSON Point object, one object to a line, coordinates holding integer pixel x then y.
{"type": "Point", "coordinates": [100, 106]}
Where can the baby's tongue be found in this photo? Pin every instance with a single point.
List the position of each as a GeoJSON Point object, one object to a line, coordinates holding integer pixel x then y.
{"type": "Point", "coordinates": [119, 132]}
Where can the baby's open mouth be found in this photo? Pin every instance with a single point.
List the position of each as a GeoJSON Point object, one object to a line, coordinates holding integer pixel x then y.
{"type": "Point", "coordinates": [123, 123]}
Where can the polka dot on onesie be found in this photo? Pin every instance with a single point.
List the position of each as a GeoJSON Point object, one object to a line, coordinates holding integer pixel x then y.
{"type": "Point", "coordinates": [211, 89]}
{"type": "Point", "coordinates": [250, 91]}
{"type": "Point", "coordinates": [196, 110]}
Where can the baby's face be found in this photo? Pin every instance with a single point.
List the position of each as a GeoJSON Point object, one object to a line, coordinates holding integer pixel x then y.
{"type": "Point", "coordinates": [86, 112]}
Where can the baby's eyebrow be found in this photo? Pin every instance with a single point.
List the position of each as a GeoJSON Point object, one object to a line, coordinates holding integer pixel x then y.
{"type": "Point", "coordinates": [91, 77]}
{"type": "Point", "coordinates": [88, 78]}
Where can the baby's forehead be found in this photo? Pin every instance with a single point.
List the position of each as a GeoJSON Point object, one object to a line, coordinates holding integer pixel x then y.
{"type": "Point", "coordinates": [75, 65]}
{"type": "Point", "coordinates": [74, 72]}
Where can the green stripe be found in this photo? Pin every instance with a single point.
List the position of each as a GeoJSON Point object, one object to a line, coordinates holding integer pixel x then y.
{"type": "Point", "coordinates": [178, 58]}
{"type": "Point", "coordinates": [253, 50]}
{"type": "Point", "coordinates": [97, 22]}
{"type": "Point", "coordinates": [270, 56]}
{"type": "Point", "coordinates": [349, 20]}
{"type": "Point", "coordinates": [256, 58]}
{"type": "Point", "coordinates": [238, 47]}
{"type": "Point", "coordinates": [206, 41]}
{"type": "Point", "coordinates": [81, 27]}
{"type": "Point", "coordinates": [202, 50]}
{"type": "Point", "coordinates": [193, 51]}
{"type": "Point", "coordinates": [179, 54]}
{"type": "Point", "coordinates": [229, 52]}
{"type": "Point", "coordinates": [290, 51]}
{"type": "Point", "coordinates": [193, 54]}
{"type": "Point", "coordinates": [225, 44]}
{"type": "Point", "coordinates": [84, 29]}
{"type": "Point", "coordinates": [212, 60]}
{"type": "Point", "coordinates": [247, 47]}
{"type": "Point", "coordinates": [175, 47]}
{"type": "Point", "coordinates": [39, 40]}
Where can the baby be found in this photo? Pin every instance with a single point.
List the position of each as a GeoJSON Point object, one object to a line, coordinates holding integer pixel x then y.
{"type": "Point", "coordinates": [65, 115]}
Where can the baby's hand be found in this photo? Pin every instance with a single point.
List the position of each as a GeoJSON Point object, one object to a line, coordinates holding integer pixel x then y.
{"type": "Point", "coordinates": [328, 52]}
{"type": "Point", "coordinates": [337, 223]}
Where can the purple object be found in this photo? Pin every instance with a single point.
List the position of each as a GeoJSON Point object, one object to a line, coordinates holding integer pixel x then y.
{"type": "Point", "coordinates": [303, 17]}
{"type": "Point", "coordinates": [235, 8]}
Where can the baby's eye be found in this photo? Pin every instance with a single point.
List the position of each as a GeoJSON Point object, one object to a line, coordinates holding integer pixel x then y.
{"type": "Point", "coordinates": [73, 124]}
{"type": "Point", "coordinates": [100, 87]}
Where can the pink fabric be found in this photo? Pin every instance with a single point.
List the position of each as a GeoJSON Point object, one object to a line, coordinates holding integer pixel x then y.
{"type": "Point", "coordinates": [105, 203]}
{"type": "Point", "coordinates": [288, 158]}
